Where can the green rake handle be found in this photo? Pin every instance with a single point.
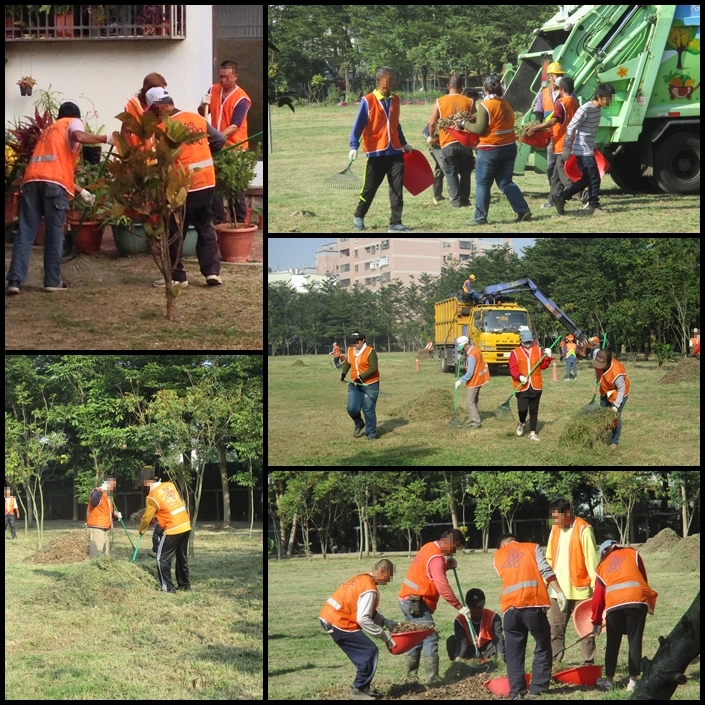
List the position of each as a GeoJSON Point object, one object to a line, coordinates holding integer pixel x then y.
{"type": "Point", "coordinates": [137, 548]}
{"type": "Point", "coordinates": [462, 600]}
{"type": "Point", "coordinates": [597, 384]}
{"type": "Point", "coordinates": [531, 371]}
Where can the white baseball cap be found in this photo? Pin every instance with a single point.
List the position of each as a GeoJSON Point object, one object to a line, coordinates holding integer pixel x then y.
{"type": "Point", "coordinates": [157, 95]}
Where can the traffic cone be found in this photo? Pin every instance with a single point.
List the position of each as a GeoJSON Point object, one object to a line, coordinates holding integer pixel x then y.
{"type": "Point", "coordinates": [554, 378]}
{"type": "Point", "coordinates": [418, 367]}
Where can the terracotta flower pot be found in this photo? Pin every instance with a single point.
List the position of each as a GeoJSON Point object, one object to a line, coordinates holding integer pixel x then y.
{"type": "Point", "coordinates": [90, 236]}
{"type": "Point", "coordinates": [235, 241]}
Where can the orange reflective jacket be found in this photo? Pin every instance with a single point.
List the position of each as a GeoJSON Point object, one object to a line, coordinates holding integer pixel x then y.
{"type": "Point", "coordinates": [100, 517]}
{"type": "Point", "coordinates": [418, 580]}
{"type": "Point", "coordinates": [624, 583]}
{"type": "Point", "coordinates": [522, 582]}
{"type": "Point", "coordinates": [171, 511]}
{"type": "Point", "coordinates": [381, 131]}
{"type": "Point", "coordinates": [340, 609]}
{"type": "Point", "coordinates": [481, 374]}
{"type": "Point", "coordinates": [196, 157]}
{"type": "Point", "coordinates": [221, 114]}
{"type": "Point", "coordinates": [501, 130]}
{"type": "Point", "coordinates": [359, 365]}
{"type": "Point", "coordinates": [579, 575]}
{"type": "Point", "coordinates": [52, 159]}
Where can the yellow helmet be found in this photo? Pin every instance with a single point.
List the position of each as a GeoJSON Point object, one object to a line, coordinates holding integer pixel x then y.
{"type": "Point", "coordinates": [555, 67]}
{"type": "Point", "coordinates": [472, 277]}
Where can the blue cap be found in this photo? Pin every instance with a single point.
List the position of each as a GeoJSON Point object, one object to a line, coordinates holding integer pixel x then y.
{"type": "Point", "coordinates": [526, 336]}
{"type": "Point", "coordinates": [606, 544]}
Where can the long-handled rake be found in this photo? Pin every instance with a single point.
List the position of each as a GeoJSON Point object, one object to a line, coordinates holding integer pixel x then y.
{"type": "Point", "coordinates": [593, 405]}
{"type": "Point", "coordinates": [137, 548]}
{"type": "Point", "coordinates": [455, 421]}
{"type": "Point", "coordinates": [345, 180]}
{"type": "Point", "coordinates": [503, 411]}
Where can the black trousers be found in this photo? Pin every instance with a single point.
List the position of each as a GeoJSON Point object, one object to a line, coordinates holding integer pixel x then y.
{"type": "Point", "coordinates": [528, 402]}
{"type": "Point", "coordinates": [629, 621]}
{"type": "Point", "coordinates": [358, 647]}
{"type": "Point", "coordinates": [518, 624]}
{"type": "Point", "coordinates": [377, 168]}
{"type": "Point", "coordinates": [170, 546]}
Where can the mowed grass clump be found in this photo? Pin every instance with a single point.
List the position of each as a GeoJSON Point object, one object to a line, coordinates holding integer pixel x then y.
{"type": "Point", "coordinates": [102, 580]}
{"type": "Point", "coordinates": [587, 430]}
{"type": "Point", "coordinates": [66, 548]}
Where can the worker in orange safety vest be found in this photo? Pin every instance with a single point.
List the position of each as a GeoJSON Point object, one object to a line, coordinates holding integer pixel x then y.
{"type": "Point", "coordinates": [99, 518]}
{"type": "Point", "coordinates": [11, 511]}
{"type": "Point", "coordinates": [613, 377]}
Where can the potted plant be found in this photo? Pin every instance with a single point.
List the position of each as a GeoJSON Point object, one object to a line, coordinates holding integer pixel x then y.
{"type": "Point", "coordinates": [234, 169]}
{"type": "Point", "coordinates": [25, 84]}
{"type": "Point", "coordinates": [88, 221]}
{"type": "Point", "coordinates": [129, 236]}
{"type": "Point", "coordinates": [63, 20]}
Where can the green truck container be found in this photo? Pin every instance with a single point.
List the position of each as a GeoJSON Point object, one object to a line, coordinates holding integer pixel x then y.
{"type": "Point", "coordinates": [650, 54]}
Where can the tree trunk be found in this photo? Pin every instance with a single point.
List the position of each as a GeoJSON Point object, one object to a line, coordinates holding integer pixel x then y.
{"type": "Point", "coordinates": [662, 674]}
{"type": "Point", "coordinates": [223, 466]}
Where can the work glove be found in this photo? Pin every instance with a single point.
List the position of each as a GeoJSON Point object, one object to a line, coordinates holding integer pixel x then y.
{"type": "Point", "coordinates": [562, 601]}
{"type": "Point", "coordinates": [86, 196]}
{"type": "Point", "coordinates": [358, 380]}
{"type": "Point", "coordinates": [451, 563]}
{"type": "Point", "coordinates": [109, 139]}
{"type": "Point", "coordinates": [522, 379]}
{"type": "Point", "coordinates": [389, 623]}
{"type": "Point", "coordinates": [465, 611]}
{"type": "Point", "coordinates": [342, 377]}
{"type": "Point", "coordinates": [408, 148]}
{"type": "Point", "coordinates": [352, 154]}
{"type": "Point", "coordinates": [596, 629]}
{"type": "Point", "coordinates": [548, 352]}
{"type": "Point", "coordinates": [390, 642]}
{"type": "Point", "coordinates": [615, 409]}
{"type": "Point", "coordinates": [565, 154]}
{"type": "Point", "coordinates": [118, 515]}
{"type": "Point", "coordinates": [206, 100]}
{"type": "Point", "coordinates": [458, 383]}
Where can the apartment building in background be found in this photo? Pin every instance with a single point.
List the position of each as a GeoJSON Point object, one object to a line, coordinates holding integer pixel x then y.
{"type": "Point", "coordinates": [373, 262]}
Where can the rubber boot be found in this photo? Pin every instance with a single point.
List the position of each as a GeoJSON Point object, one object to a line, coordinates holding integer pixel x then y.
{"type": "Point", "coordinates": [411, 664]}
{"type": "Point", "coordinates": [431, 667]}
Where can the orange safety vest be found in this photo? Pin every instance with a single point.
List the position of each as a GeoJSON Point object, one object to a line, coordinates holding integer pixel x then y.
{"type": "Point", "coordinates": [547, 99]}
{"type": "Point", "coordinates": [559, 131]}
{"type": "Point", "coordinates": [570, 349]}
{"type": "Point", "coordinates": [522, 582]}
{"type": "Point", "coordinates": [340, 609]}
{"type": "Point", "coordinates": [380, 130]}
{"type": "Point", "coordinates": [481, 374]}
{"type": "Point", "coordinates": [52, 159]}
{"type": "Point", "coordinates": [579, 576]}
{"type": "Point", "coordinates": [624, 583]}
{"type": "Point", "coordinates": [196, 157]}
{"type": "Point", "coordinates": [134, 108]}
{"type": "Point", "coordinates": [525, 361]}
{"type": "Point", "coordinates": [171, 511]}
{"type": "Point", "coordinates": [100, 517]}
{"type": "Point", "coordinates": [418, 580]}
{"type": "Point", "coordinates": [429, 346]}
{"type": "Point", "coordinates": [608, 376]}
{"type": "Point", "coordinates": [221, 114]}
{"type": "Point", "coordinates": [10, 505]}
{"type": "Point", "coordinates": [336, 350]}
{"type": "Point", "coordinates": [450, 105]}
{"type": "Point", "coordinates": [359, 365]}
{"type": "Point", "coordinates": [485, 635]}
{"type": "Point", "coordinates": [501, 130]}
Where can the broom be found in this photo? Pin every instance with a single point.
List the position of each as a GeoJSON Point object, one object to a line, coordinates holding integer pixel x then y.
{"type": "Point", "coordinates": [345, 180]}
{"type": "Point", "coordinates": [503, 411]}
{"type": "Point", "coordinates": [592, 406]}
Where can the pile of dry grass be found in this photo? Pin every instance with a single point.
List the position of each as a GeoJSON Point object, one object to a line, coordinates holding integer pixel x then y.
{"type": "Point", "coordinates": [66, 548]}
{"type": "Point", "coordinates": [685, 371]}
{"type": "Point", "coordinates": [298, 363]}
{"type": "Point", "coordinates": [588, 430]}
{"type": "Point", "coordinates": [686, 553]}
{"type": "Point", "coordinates": [665, 540]}
{"type": "Point", "coordinates": [435, 403]}
{"type": "Point", "coordinates": [100, 581]}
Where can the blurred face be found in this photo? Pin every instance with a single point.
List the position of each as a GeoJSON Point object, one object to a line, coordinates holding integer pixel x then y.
{"type": "Point", "coordinates": [111, 483]}
{"type": "Point", "coordinates": [359, 344]}
{"type": "Point", "coordinates": [385, 576]}
{"type": "Point", "coordinates": [604, 101]}
{"type": "Point", "coordinates": [228, 77]}
{"type": "Point", "coordinates": [562, 519]}
{"type": "Point", "coordinates": [552, 79]}
{"type": "Point", "coordinates": [386, 83]}
{"type": "Point", "coordinates": [7, 492]}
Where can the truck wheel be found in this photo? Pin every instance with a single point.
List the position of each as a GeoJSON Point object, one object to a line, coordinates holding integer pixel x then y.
{"type": "Point", "coordinates": [624, 170]}
{"type": "Point", "coordinates": [442, 358]}
{"type": "Point", "coordinates": [677, 163]}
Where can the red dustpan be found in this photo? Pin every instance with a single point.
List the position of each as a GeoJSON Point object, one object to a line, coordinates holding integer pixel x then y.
{"type": "Point", "coordinates": [582, 675]}
{"type": "Point", "coordinates": [500, 686]}
{"type": "Point", "coordinates": [405, 641]}
{"type": "Point", "coordinates": [582, 618]}
{"type": "Point", "coordinates": [418, 176]}
{"type": "Point", "coordinates": [574, 174]}
{"type": "Point", "coordinates": [469, 139]}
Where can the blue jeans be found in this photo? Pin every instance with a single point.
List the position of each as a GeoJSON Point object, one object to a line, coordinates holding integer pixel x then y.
{"type": "Point", "coordinates": [365, 398]}
{"type": "Point", "coordinates": [52, 201]}
{"type": "Point", "coordinates": [430, 643]}
{"type": "Point", "coordinates": [590, 178]}
{"type": "Point", "coordinates": [571, 363]}
{"type": "Point", "coordinates": [617, 431]}
{"type": "Point", "coordinates": [496, 165]}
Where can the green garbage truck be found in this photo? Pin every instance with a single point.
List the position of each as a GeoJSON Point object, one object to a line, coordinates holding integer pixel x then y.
{"type": "Point", "coordinates": [650, 54]}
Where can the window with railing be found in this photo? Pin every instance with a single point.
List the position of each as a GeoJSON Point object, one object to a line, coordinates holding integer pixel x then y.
{"type": "Point", "coordinates": [62, 22]}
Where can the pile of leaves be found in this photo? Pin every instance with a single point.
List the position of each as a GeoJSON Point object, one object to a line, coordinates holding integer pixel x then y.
{"type": "Point", "coordinates": [685, 371]}
{"type": "Point", "coordinates": [453, 120]}
{"type": "Point", "coordinates": [521, 130]}
{"type": "Point", "coordinates": [410, 627]}
{"type": "Point", "coordinates": [71, 547]}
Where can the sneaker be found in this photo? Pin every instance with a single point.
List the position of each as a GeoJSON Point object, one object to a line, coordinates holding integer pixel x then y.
{"type": "Point", "coordinates": [595, 210]}
{"type": "Point", "coordinates": [559, 203]}
{"type": "Point", "coordinates": [477, 222]}
{"type": "Point", "coordinates": [603, 684]}
{"type": "Point", "coordinates": [631, 686]}
{"type": "Point", "coordinates": [533, 437]}
{"type": "Point", "coordinates": [523, 216]}
{"type": "Point", "coordinates": [614, 446]}
{"type": "Point", "coordinates": [61, 287]}
{"type": "Point", "coordinates": [548, 204]}
{"type": "Point", "coordinates": [358, 431]}
{"type": "Point", "coordinates": [356, 694]}
{"type": "Point", "coordinates": [12, 288]}
{"type": "Point", "coordinates": [520, 429]}
{"type": "Point", "coordinates": [371, 438]}
{"type": "Point", "coordinates": [398, 228]}
{"type": "Point", "coordinates": [160, 283]}
{"type": "Point", "coordinates": [214, 280]}
{"type": "Point", "coordinates": [358, 223]}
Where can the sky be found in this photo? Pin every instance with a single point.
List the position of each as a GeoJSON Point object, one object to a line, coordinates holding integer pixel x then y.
{"type": "Point", "coordinates": [297, 253]}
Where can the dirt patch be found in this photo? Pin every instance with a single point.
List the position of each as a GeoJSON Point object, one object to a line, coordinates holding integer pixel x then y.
{"type": "Point", "coordinates": [685, 371]}
{"type": "Point", "coordinates": [665, 540]}
{"type": "Point", "coordinates": [67, 548]}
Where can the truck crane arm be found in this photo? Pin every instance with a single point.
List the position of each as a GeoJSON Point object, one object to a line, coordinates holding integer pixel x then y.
{"type": "Point", "coordinates": [505, 288]}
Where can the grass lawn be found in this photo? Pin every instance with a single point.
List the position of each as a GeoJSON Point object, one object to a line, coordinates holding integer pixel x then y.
{"type": "Point", "coordinates": [75, 632]}
{"type": "Point", "coordinates": [312, 144]}
{"type": "Point", "coordinates": [305, 664]}
{"type": "Point", "coordinates": [309, 424]}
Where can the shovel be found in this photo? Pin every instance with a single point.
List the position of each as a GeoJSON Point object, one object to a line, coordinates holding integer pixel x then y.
{"type": "Point", "coordinates": [472, 631]}
{"type": "Point", "coordinates": [593, 406]}
{"type": "Point", "coordinates": [504, 411]}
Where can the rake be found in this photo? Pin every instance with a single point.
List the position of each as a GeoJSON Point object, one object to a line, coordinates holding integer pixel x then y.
{"type": "Point", "coordinates": [593, 406]}
{"type": "Point", "coordinates": [503, 411]}
{"type": "Point", "coordinates": [455, 421]}
{"type": "Point", "coordinates": [475, 640]}
{"type": "Point", "coordinates": [345, 180]}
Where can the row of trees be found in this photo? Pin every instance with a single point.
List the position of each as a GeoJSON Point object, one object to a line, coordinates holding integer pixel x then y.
{"type": "Point", "coordinates": [643, 291]}
{"type": "Point", "coordinates": [349, 42]}
{"type": "Point", "coordinates": [322, 502]}
{"type": "Point", "coordinates": [86, 416]}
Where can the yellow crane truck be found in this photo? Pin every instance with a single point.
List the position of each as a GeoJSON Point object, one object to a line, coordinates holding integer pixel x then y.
{"type": "Point", "coordinates": [494, 328]}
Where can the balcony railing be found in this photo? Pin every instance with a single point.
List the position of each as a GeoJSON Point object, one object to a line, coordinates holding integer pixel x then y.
{"type": "Point", "coordinates": [102, 22]}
